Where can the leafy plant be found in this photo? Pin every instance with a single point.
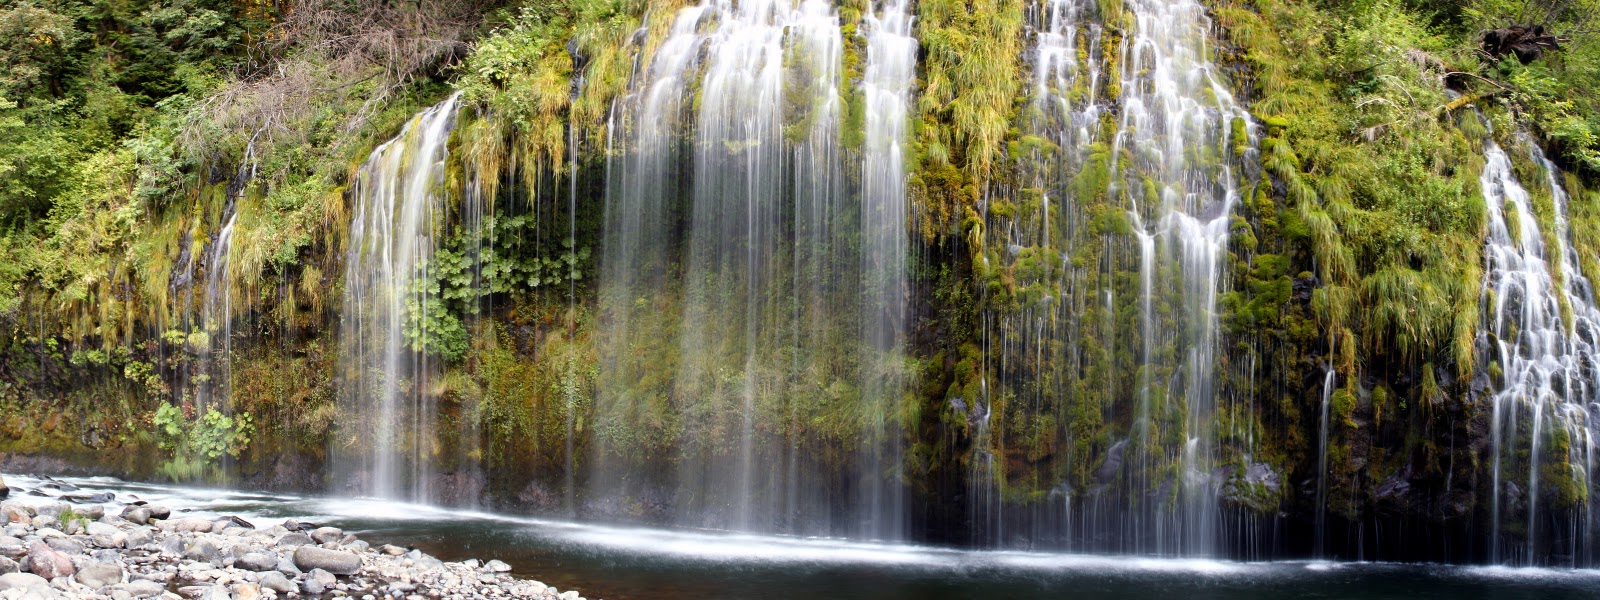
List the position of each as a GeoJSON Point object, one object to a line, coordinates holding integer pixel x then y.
{"type": "Point", "coordinates": [194, 444]}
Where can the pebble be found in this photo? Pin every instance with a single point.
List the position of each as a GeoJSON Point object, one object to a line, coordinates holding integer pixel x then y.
{"type": "Point", "coordinates": [138, 553]}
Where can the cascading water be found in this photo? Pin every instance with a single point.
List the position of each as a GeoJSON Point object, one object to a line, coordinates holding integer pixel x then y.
{"type": "Point", "coordinates": [1136, 121]}
{"type": "Point", "coordinates": [886, 88]}
{"type": "Point", "coordinates": [217, 318]}
{"type": "Point", "coordinates": [747, 304]}
{"type": "Point", "coordinates": [1543, 353]}
{"type": "Point", "coordinates": [388, 448]}
{"type": "Point", "coordinates": [1330, 380]}
{"type": "Point", "coordinates": [1173, 103]}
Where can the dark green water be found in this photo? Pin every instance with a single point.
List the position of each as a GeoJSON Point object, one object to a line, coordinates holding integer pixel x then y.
{"type": "Point", "coordinates": [620, 563]}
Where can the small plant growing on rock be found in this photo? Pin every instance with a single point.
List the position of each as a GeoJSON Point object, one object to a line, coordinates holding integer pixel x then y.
{"type": "Point", "coordinates": [194, 444]}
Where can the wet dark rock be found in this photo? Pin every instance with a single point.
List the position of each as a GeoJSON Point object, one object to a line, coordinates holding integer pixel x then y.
{"type": "Point", "coordinates": [100, 498]}
{"type": "Point", "coordinates": [1112, 464]}
{"type": "Point", "coordinates": [1392, 487]}
{"type": "Point", "coordinates": [59, 486]}
{"type": "Point", "coordinates": [537, 497]}
{"type": "Point", "coordinates": [459, 488]}
{"type": "Point", "coordinates": [300, 526]}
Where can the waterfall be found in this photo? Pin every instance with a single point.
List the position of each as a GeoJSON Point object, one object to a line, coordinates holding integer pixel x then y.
{"type": "Point", "coordinates": [1126, 166]}
{"type": "Point", "coordinates": [1328, 382]}
{"type": "Point", "coordinates": [217, 319]}
{"type": "Point", "coordinates": [1172, 102]}
{"type": "Point", "coordinates": [387, 446]}
{"type": "Point", "coordinates": [749, 308]}
{"type": "Point", "coordinates": [1541, 314]}
{"type": "Point", "coordinates": [886, 88]}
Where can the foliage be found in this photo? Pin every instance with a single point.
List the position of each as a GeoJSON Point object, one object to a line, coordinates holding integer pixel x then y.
{"type": "Point", "coordinates": [210, 436]}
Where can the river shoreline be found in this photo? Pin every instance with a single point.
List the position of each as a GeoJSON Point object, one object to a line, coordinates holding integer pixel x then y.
{"type": "Point", "coordinates": [58, 541]}
{"type": "Point", "coordinates": [631, 562]}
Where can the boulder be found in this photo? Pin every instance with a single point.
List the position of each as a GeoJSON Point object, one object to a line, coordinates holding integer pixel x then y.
{"type": "Point", "coordinates": [8, 566]}
{"type": "Point", "coordinates": [189, 525]}
{"type": "Point", "coordinates": [276, 582]}
{"type": "Point", "coordinates": [21, 581]}
{"type": "Point", "coordinates": [100, 498]}
{"type": "Point", "coordinates": [205, 592]}
{"type": "Point", "coordinates": [48, 533]}
{"type": "Point", "coordinates": [256, 561]}
{"type": "Point", "coordinates": [138, 536]}
{"type": "Point", "coordinates": [294, 539]}
{"type": "Point", "coordinates": [47, 563]}
{"type": "Point", "coordinates": [298, 526]}
{"type": "Point", "coordinates": [317, 582]}
{"type": "Point", "coordinates": [144, 588]}
{"type": "Point", "coordinates": [159, 512]}
{"type": "Point", "coordinates": [64, 545]}
{"type": "Point", "coordinates": [4, 491]}
{"type": "Point", "coordinates": [137, 514]}
{"type": "Point", "coordinates": [11, 547]}
{"type": "Point", "coordinates": [97, 575]}
{"type": "Point", "coordinates": [14, 513]}
{"type": "Point", "coordinates": [286, 566]}
{"type": "Point", "coordinates": [495, 566]}
{"type": "Point", "coordinates": [202, 551]}
{"type": "Point", "coordinates": [332, 561]}
{"type": "Point", "coordinates": [115, 540]}
{"type": "Point", "coordinates": [324, 535]}
{"type": "Point", "coordinates": [246, 591]}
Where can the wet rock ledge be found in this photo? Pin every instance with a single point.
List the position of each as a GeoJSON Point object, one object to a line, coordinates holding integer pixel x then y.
{"type": "Point", "coordinates": [96, 550]}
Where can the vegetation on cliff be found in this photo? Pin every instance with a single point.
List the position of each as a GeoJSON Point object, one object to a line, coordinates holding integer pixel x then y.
{"type": "Point", "coordinates": [131, 132]}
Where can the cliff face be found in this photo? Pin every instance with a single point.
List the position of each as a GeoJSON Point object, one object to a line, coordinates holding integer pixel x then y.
{"type": "Point", "coordinates": [1255, 279]}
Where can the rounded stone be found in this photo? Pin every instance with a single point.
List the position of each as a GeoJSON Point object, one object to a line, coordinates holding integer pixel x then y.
{"type": "Point", "coordinates": [332, 561]}
{"type": "Point", "coordinates": [97, 575]}
{"type": "Point", "coordinates": [48, 563]}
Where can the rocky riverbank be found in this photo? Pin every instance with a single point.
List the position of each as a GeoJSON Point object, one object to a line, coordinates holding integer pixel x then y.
{"type": "Point", "coordinates": [58, 544]}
